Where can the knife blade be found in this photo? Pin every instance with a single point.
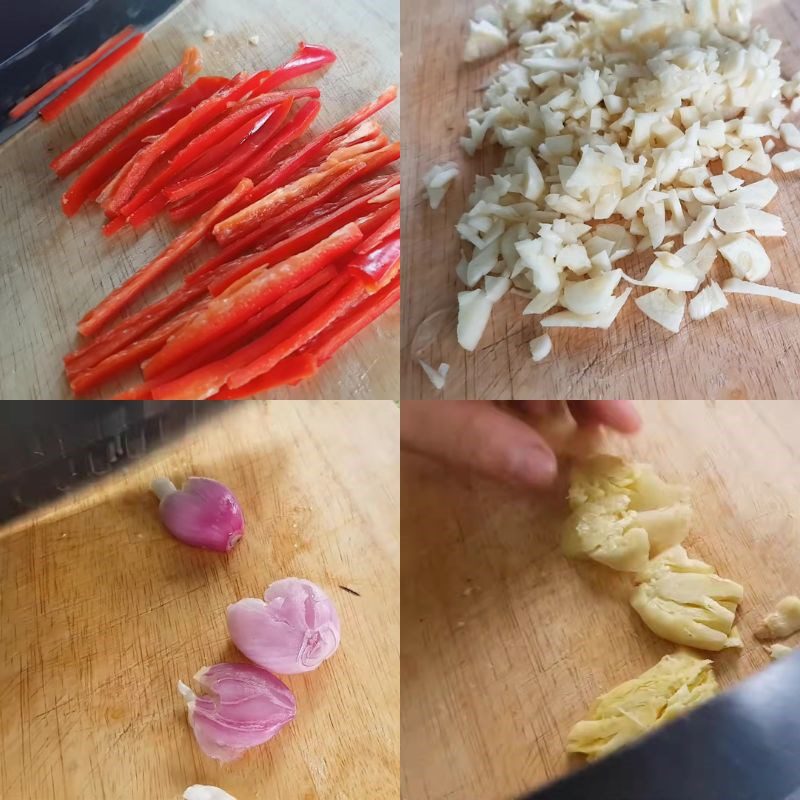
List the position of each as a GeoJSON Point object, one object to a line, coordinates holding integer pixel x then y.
{"type": "Point", "coordinates": [43, 37]}
{"type": "Point", "coordinates": [49, 448]}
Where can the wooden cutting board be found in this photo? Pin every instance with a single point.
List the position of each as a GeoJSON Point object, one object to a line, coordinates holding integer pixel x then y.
{"type": "Point", "coordinates": [506, 643]}
{"type": "Point", "coordinates": [741, 353]}
{"type": "Point", "coordinates": [101, 612]}
{"type": "Point", "coordinates": [54, 269]}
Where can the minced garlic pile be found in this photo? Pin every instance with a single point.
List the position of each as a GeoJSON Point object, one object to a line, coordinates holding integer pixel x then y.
{"type": "Point", "coordinates": [623, 123]}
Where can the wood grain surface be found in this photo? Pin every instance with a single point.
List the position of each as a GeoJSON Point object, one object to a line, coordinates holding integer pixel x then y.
{"type": "Point", "coordinates": [506, 643]}
{"type": "Point", "coordinates": [101, 612]}
{"type": "Point", "coordinates": [54, 269]}
{"type": "Point", "coordinates": [745, 352]}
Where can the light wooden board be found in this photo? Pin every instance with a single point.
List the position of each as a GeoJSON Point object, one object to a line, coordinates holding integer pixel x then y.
{"type": "Point", "coordinates": [101, 612]}
{"type": "Point", "coordinates": [506, 643]}
{"type": "Point", "coordinates": [53, 269]}
{"type": "Point", "coordinates": [741, 353]}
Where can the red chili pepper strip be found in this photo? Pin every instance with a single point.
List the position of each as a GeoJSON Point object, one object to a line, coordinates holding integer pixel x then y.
{"type": "Point", "coordinates": [369, 129]}
{"type": "Point", "coordinates": [346, 298]}
{"type": "Point", "coordinates": [140, 392]}
{"type": "Point", "coordinates": [207, 149]}
{"type": "Point", "coordinates": [146, 213]}
{"type": "Point", "coordinates": [377, 263]}
{"type": "Point", "coordinates": [234, 164]}
{"type": "Point", "coordinates": [297, 242]}
{"type": "Point", "coordinates": [293, 130]}
{"type": "Point", "coordinates": [186, 128]}
{"type": "Point", "coordinates": [97, 138]}
{"type": "Point", "coordinates": [307, 58]}
{"type": "Point", "coordinates": [83, 382]}
{"type": "Point", "coordinates": [65, 76]}
{"type": "Point", "coordinates": [101, 170]}
{"type": "Point", "coordinates": [369, 223]}
{"type": "Point", "coordinates": [131, 328]}
{"type": "Point", "coordinates": [114, 225]}
{"type": "Point", "coordinates": [264, 127]}
{"type": "Point", "coordinates": [343, 330]}
{"type": "Point", "coordinates": [201, 383]}
{"type": "Point", "coordinates": [306, 156]}
{"type": "Point", "coordinates": [211, 157]}
{"type": "Point", "coordinates": [109, 308]}
{"type": "Point", "coordinates": [392, 225]}
{"type": "Point", "coordinates": [238, 304]}
{"type": "Point", "coordinates": [236, 338]}
{"type": "Point", "coordinates": [287, 211]}
{"type": "Point", "coordinates": [64, 100]}
{"type": "Point", "coordinates": [289, 372]}
{"type": "Point", "coordinates": [242, 222]}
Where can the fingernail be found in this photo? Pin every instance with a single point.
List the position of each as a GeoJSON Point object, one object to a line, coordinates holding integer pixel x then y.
{"type": "Point", "coordinates": [534, 466]}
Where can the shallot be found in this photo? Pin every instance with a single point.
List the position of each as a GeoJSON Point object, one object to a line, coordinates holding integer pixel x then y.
{"type": "Point", "coordinates": [204, 513]}
{"type": "Point", "coordinates": [294, 629]}
{"type": "Point", "coordinates": [245, 707]}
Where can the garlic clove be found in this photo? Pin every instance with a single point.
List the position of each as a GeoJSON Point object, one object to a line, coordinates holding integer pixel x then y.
{"type": "Point", "coordinates": [200, 792]}
{"type": "Point", "coordinates": [204, 513]}
{"type": "Point", "coordinates": [245, 707]}
{"type": "Point", "coordinates": [294, 629]}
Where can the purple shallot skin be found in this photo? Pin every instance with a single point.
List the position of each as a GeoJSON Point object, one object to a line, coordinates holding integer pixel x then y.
{"type": "Point", "coordinates": [204, 513]}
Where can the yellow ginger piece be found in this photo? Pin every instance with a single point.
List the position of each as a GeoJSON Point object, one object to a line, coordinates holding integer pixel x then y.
{"type": "Point", "coordinates": [622, 513]}
{"type": "Point", "coordinates": [683, 600]}
{"type": "Point", "coordinates": [677, 683]}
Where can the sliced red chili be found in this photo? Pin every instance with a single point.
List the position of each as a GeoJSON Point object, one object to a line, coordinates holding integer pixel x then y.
{"type": "Point", "coordinates": [237, 304]}
{"type": "Point", "coordinates": [343, 330]}
{"type": "Point", "coordinates": [64, 100]}
{"type": "Point", "coordinates": [65, 76]}
{"type": "Point", "coordinates": [102, 169]}
{"type": "Point", "coordinates": [125, 294]}
{"type": "Point", "coordinates": [99, 136]}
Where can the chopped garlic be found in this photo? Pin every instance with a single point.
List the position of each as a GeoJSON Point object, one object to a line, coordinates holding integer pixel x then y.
{"type": "Point", "coordinates": [754, 195]}
{"type": "Point", "coordinates": [603, 319]}
{"type": "Point", "coordinates": [787, 161]}
{"type": "Point", "coordinates": [253, 40]}
{"type": "Point", "coordinates": [790, 134]}
{"type": "Point", "coordinates": [591, 296]}
{"type": "Point", "coordinates": [737, 286]}
{"type": "Point", "coordinates": [707, 301]}
{"type": "Point", "coordinates": [541, 347]}
{"type": "Point", "coordinates": [734, 219]}
{"type": "Point", "coordinates": [700, 228]}
{"type": "Point", "coordinates": [437, 181]}
{"type": "Point", "coordinates": [747, 257]}
{"type": "Point", "coordinates": [474, 310]}
{"type": "Point", "coordinates": [485, 40]}
{"type": "Point", "coordinates": [617, 109]}
{"type": "Point", "coordinates": [435, 376]}
{"type": "Point", "coordinates": [208, 33]}
{"type": "Point", "coordinates": [664, 307]}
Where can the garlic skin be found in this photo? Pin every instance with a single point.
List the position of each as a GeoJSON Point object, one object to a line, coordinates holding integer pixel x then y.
{"type": "Point", "coordinates": [245, 707]}
{"type": "Point", "coordinates": [294, 629]}
{"type": "Point", "coordinates": [204, 513]}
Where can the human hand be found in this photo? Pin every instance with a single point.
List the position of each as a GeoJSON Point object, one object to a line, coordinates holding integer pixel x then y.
{"type": "Point", "coordinates": [487, 438]}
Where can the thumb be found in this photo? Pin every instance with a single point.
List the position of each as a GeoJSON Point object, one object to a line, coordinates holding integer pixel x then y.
{"type": "Point", "coordinates": [478, 436]}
